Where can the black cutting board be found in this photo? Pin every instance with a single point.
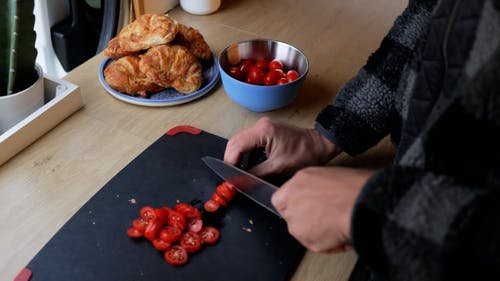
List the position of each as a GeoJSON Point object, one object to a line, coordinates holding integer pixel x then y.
{"type": "Point", "coordinates": [93, 244]}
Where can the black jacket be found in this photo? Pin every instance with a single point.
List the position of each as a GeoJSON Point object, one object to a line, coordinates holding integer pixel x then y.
{"type": "Point", "coordinates": [434, 86]}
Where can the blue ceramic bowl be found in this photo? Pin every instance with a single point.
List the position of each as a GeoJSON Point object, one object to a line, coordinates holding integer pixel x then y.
{"type": "Point", "coordinates": [256, 97]}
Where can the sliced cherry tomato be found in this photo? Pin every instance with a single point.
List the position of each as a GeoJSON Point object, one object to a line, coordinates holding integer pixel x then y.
{"type": "Point", "coordinates": [191, 241]}
{"type": "Point", "coordinates": [188, 211]}
{"type": "Point", "coordinates": [140, 224]}
{"type": "Point", "coordinates": [195, 225]}
{"type": "Point", "coordinates": [177, 219]}
{"type": "Point", "coordinates": [211, 206]}
{"type": "Point", "coordinates": [170, 234]}
{"type": "Point", "coordinates": [226, 191]}
{"type": "Point", "coordinates": [255, 76]}
{"type": "Point", "coordinates": [160, 245]}
{"type": "Point", "coordinates": [245, 66]}
{"type": "Point", "coordinates": [152, 230]}
{"type": "Point", "coordinates": [263, 64]}
{"type": "Point", "coordinates": [161, 215]}
{"type": "Point", "coordinates": [176, 255]}
{"type": "Point", "coordinates": [217, 198]}
{"type": "Point", "coordinates": [134, 232]}
{"type": "Point", "coordinates": [147, 213]}
{"type": "Point", "coordinates": [209, 234]}
{"type": "Point", "coordinates": [292, 75]}
{"type": "Point", "coordinates": [275, 64]}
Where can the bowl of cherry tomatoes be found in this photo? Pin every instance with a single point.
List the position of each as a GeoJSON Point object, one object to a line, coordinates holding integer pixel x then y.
{"type": "Point", "coordinates": [261, 74]}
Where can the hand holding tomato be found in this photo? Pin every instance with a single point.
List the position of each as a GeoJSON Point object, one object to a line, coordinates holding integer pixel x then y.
{"type": "Point", "coordinates": [287, 148]}
{"type": "Point", "coordinates": [317, 203]}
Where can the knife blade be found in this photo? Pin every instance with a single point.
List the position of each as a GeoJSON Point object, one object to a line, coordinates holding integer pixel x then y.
{"type": "Point", "coordinates": [249, 185]}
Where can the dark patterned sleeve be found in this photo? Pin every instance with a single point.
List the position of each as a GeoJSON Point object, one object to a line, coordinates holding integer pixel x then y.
{"type": "Point", "coordinates": [440, 220]}
{"type": "Point", "coordinates": [364, 109]}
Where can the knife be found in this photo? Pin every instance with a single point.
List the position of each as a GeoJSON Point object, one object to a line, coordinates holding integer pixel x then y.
{"type": "Point", "coordinates": [249, 185]}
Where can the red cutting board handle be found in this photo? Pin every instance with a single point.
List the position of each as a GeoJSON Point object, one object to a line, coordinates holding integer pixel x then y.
{"type": "Point", "coordinates": [24, 275]}
{"type": "Point", "coordinates": [183, 129]}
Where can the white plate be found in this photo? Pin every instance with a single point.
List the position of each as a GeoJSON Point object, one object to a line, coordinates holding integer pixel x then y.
{"type": "Point", "coordinates": [168, 96]}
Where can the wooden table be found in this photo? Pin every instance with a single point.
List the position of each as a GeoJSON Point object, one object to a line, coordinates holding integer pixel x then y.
{"type": "Point", "coordinates": [44, 185]}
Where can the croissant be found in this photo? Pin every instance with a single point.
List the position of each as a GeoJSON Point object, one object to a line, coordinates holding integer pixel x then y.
{"type": "Point", "coordinates": [124, 75]}
{"type": "Point", "coordinates": [146, 31]}
{"type": "Point", "coordinates": [172, 66]}
{"type": "Point", "coordinates": [193, 40]}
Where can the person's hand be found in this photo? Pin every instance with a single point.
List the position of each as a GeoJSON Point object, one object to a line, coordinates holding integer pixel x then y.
{"type": "Point", "coordinates": [317, 203]}
{"type": "Point", "coordinates": [287, 148]}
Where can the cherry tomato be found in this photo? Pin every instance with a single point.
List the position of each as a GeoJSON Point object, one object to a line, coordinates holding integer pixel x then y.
{"type": "Point", "coordinates": [209, 234]}
{"type": "Point", "coordinates": [245, 66]}
{"type": "Point", "coordinates": [217, 198]}
{"type": "Point", "coordinates": [140, 224]}
{"type": "Point", "coordinates": [263, 64]}
{"type": "Point", "coordinates": [211, 206]}
{"type": "Point", "coordinates": [234, 71]}
{"type": "Point", "coordinates": [170, 234]}
{"type": "Point", "coordinates": [292, 75]}
{"type": "Point", "coordinates": [272, 77]}
{"type": "Point", "coordinates": [188, 211]}
{"type": "Point", "coordinates": [191, 241]}
{"type": "Point", "coordinates": [147, 213]}
{"type": "Point", "coordinates": [160, 245]}
{"type": "Point", "coordinates": [226, 191]}
{"type": "Point", "coordinates": [275, 64]}
{"type": "Point", "coordinates": [255, 75]}
{"type": "Point", "coordinates": [177, 219]}
{"type": "Point", "coordinates": [152, 230]}
{"type": "Point", "coordinates": [282, 81]}
{"type": "Point", "coordinates": [161, 215]}
{"type": "Point", "coordinates": [195, 225]}
{"type": "Point", "coordinates": [134, 232]}
{"type": "Point", "coordinates": [176, 255]}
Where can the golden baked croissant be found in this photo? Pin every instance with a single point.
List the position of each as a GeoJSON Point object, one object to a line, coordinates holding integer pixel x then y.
{"type": "Point", "coordinates": [146, 31]}
{"type": "Point", "coordinates": [172, 66]}
{"type": "Point", "coordinates": [124, 75]}
{"type": "Point", "coordinates": [192, 39]}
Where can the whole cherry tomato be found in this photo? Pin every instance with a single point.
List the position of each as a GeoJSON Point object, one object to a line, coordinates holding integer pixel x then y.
{"type": "Point", "coordinates": [275, 64]}
{"type": "Point", "coordinates": [263, 64]}
{"type": "Point", "coordinates": [292, 75]}
{"type": "Point", "coordinates": [272, 77]}
{"type": "Point", "coordinates": [245, 66]}
{"type": "Point", "coordinates": [255, 75]}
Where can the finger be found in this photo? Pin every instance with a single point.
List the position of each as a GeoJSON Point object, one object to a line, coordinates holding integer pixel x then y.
{"type": "Point", "coordinates": [279, 201]}
{"type": "Point", "coordinates": [238, 145]}
{"type": "Point", "coordinates": [263, 169]}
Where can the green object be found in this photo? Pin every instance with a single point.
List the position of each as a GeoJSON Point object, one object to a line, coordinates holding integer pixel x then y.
{"type": "Point", "coordinates": [17, 46]}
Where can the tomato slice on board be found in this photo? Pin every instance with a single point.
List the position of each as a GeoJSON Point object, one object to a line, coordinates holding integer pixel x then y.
{"type": "Point", "coordinates": [211, 206]}
{"type": "Point", "coordinates": [176, 255]}
{"type": "Point", "coordinates": [134, 232]}
{"type": "Point", "coordinates": [140, 224]}
{"type": "Point", "coordinates": [170, 234]}
{"type": "Point", "coordinates": [152, 230]}
{"type": "Point", "coordinates": [147, 213]}
{"type": "Point", "coordinates": [209, 234]}
{"type": "Point", "coordinates": [160, 245]}
{"type": "Point", "coordinates": [177, 219]}
{"type": "Point", "coordinates": [191, 241]}
{"type": "Point", "coordinates": [188, 211]}
{"type": "Point", "coordinates": [195, 225]}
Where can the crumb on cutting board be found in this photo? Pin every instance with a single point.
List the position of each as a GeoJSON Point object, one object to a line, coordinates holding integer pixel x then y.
{"type": "Point", "coordinates": [132, 201]}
